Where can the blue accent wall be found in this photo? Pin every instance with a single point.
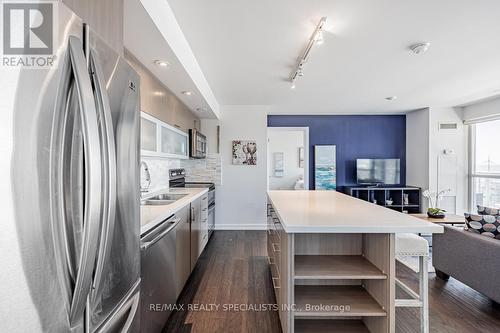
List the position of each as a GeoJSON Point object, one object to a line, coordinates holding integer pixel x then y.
{"type": "Point", "coordinates": [381, 136]}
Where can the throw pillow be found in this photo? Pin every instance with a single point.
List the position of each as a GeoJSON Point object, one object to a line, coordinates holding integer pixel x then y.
{"type": "Point", "coordinates": [486, 225]}
{"type": "Point", "coordinates": [482, 210]}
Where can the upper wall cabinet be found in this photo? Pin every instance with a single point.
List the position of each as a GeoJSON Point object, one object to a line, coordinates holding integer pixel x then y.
{"type": "Point", "coordinates": [104, 17]}
{"type": "Point", "coordinates": [162, 140]}
{"type": "Point", "coordinates": [160, 102]}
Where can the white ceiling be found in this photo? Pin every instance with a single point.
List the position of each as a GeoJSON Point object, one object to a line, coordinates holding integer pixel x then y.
{"type": "Point", "coordinates": [246, 50]}
{"type": "Point", "coordinates": [149, 41]}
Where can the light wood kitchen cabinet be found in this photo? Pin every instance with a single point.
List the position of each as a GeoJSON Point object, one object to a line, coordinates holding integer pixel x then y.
{"type": "Point", "coordinates": [278, 249]}
{"type": "Point", "coordinates": [158, 101]}
{"type": "Point", "coordinates": [195, 231]}
{"type": "Point", "coordinates": [104, 17]}
{"type": "Point", "coordinates": [183, 248]}
{"type": "Point", "coordinates": [203, 239]}
{"type": "Point", "coordinates": [199, 227]}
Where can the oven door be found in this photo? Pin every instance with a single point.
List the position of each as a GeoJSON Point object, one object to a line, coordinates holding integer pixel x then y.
{"type": "Point", "coordinates": [211, 197]}
{"type": "Point", "coordinates": [211, 219]}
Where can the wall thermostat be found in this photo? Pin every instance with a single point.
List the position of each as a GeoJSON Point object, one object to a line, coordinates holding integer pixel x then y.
{"type": "Point", "coordinates": [449, 151]}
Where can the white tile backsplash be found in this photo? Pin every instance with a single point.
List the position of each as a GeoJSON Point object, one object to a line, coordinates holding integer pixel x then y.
{"type": "Point", "coordinates": [204, 170]}
{"type": "Point", "coordinates": [197, 170]}
{"type": "Point", "coordinates": [158, 169]}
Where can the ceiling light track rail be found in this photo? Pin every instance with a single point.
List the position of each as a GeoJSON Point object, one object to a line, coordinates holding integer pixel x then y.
{"type": "Point", "coordinates": [316, 39]}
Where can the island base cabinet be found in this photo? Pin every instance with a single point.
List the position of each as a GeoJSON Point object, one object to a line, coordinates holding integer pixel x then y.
{"type": "Point", "coordinates": [280, 256]}
{"type": "Point", "coordinates": [330, 282]}
{"type": "Point", "coordinates": [343, 282]}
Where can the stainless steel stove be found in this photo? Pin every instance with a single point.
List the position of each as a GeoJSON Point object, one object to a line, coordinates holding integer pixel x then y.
{"type": "Point", "coordinates": [177, 178]}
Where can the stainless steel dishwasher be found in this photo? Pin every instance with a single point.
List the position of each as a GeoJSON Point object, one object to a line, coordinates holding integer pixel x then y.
{"type": "Point", "coordinates": [159, 275]}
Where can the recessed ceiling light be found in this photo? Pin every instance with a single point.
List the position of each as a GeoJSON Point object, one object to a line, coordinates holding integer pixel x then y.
{"type": "Point", "coordinates": [201, 109]}
{"type": "Point", "coordinates": [162, 63]}
{"type": "Point", "coordinates": [187, 93]}
{"type": "Point", "coordinates": [420, 48]}
{"type": "Point", "coordinates": [391, 98]}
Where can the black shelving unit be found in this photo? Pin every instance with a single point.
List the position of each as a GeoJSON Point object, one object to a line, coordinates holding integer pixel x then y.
{"type": "Point", "coordinates": [381, 196]}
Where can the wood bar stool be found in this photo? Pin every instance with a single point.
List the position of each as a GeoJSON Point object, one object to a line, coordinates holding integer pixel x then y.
{"type": "Point", "coordinates": [413, 245]}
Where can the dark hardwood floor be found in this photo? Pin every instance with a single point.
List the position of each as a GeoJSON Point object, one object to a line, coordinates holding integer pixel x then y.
{"type": "Point", "coordinates": [233, 270]}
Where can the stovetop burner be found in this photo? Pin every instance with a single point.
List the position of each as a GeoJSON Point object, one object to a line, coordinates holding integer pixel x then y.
{"type": "Point", "coordinates": [178, 179]}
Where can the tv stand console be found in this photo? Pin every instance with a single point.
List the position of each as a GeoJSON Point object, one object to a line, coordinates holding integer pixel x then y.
{"type": "Point", "coordinates": [403, 199]}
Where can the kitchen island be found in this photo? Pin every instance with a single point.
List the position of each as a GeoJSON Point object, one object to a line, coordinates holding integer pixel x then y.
{"type": "Point", "coordinates": [332, 260]}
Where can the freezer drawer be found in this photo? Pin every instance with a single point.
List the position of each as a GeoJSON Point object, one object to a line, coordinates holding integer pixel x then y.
{"type": "Point", "coordinates": [125, 317]}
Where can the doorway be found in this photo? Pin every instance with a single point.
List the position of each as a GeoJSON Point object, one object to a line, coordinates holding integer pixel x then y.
{"type": "Point", "coordinates": [288, 158]}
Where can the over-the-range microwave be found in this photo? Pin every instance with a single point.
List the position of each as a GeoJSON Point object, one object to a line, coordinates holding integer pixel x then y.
{"type": "Point", "coordinates": [197, 144]}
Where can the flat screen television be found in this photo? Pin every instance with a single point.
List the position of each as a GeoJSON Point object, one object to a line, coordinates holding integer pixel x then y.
{"type": "Point", "coordinates": [378, 171]}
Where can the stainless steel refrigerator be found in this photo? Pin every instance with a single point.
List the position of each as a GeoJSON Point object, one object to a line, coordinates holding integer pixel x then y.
{"type": "Point", "coordinates": [70, 257]}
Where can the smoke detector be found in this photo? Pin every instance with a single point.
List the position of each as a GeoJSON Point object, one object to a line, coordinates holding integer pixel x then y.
{"type": "Point", "coordinates": [420, 48]}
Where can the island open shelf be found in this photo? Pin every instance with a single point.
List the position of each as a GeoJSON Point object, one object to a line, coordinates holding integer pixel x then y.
{"type": "Point", "coordinates": [335, 267]}
{"type": "Point", "coordinates": [332, 261]}
{"type": "Point", "coordinates": [329, 326]}
{"type": "Point", "coordinates": [335, 301]}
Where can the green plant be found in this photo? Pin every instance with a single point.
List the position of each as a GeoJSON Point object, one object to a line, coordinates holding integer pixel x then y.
{"type": "Point", "coordinates": [435, 211]}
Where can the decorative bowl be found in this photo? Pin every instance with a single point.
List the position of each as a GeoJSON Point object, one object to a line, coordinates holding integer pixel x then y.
{"type": "Point", "coordinates": [436, 216]}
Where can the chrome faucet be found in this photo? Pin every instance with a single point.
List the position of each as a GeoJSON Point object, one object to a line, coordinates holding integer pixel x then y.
{"type": "Point", "coordinates": [147, 176]}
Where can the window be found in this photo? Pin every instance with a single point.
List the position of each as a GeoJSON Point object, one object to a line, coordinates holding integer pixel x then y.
{"type": "Point", "coordinates": [485, 164]}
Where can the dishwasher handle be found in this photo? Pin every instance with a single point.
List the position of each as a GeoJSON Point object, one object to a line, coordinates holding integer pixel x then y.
{"type": "Point", "coordinates": [173, 222]}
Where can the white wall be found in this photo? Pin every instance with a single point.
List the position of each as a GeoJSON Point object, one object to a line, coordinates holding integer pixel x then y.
{"type": "Point", "coordinates": [482, 110]}
{"type": "Point", "coordinates": [241, 199]}
{"type": "Point", "coordinates": [425, 146]}
{"type": "Point", "coordinates": [455, 140]}
{"type": "Point", "coordinates": [417, 150]}
{"type": "Point", "coordinates": [288, 143]}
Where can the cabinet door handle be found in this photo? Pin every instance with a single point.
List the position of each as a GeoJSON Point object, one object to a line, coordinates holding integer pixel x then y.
{"type": "Point", "coordinates": [276, 283]}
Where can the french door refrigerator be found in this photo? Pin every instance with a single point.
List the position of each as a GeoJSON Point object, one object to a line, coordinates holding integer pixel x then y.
{"type": "Point", "coordinates": [69, 247]}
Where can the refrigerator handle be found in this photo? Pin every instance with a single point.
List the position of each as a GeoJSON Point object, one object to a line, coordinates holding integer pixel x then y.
{"type": "Point", "coordinates": [93, 185]}
{"type": "Point", "coordinates": [132, 312]}
{"type": "Point", "coordinates": [109, 168]}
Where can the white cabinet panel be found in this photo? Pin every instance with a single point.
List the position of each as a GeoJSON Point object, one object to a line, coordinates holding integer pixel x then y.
{"type": "Point", "coordinates": [173, 141]}
{"type": "Point", "coordinates": [148, 135]}
{"type": "Point", "coordinates": [162, 140]}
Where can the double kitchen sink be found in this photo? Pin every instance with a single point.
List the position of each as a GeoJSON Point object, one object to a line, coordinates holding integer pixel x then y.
{"type": "Point", "coordinates": [162, 199]}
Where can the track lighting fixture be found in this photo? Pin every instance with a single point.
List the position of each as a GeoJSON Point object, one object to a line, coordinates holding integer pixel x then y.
{"type": "Point", "coordinates": [316, 38]}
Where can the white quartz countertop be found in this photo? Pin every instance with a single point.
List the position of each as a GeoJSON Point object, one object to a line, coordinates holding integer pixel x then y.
{"type": "Point", "coordinates": [151, 216]}
{"type": "Point", "coordinates": [335, 212]}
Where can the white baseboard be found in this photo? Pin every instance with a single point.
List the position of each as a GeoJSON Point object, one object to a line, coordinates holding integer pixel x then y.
{"type": "Point", "coordinates": [259, 226]}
